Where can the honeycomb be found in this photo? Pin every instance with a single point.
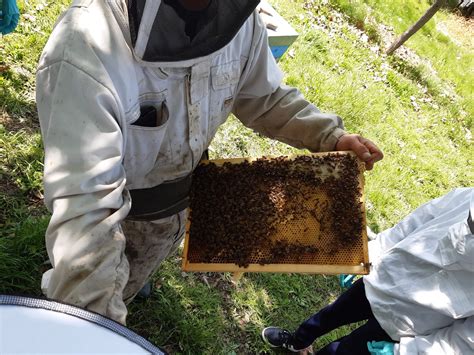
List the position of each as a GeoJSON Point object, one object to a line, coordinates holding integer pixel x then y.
{"type": "Point", "coordinates": [303, 234]}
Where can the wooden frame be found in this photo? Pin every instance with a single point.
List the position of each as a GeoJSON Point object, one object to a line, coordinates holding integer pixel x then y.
{"type": "Point", "coordinates": [362, 268]}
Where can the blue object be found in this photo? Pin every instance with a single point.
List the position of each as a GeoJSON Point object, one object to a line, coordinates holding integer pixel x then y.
{"type": "Point", "coordinates": [145, 292]}
{"type": "Point", "coordinates": [278, 51]}
{"type": "Point", "coordinates": [380, 347]}
{"type": "Point", "coordinates": [9, 16]}
{"type": "Point", "coordinates": [346, 280]}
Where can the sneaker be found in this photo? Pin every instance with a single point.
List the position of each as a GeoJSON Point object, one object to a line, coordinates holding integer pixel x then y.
{"type": "Point", "coordinates": [280, 339]}
{"type": "Point", "coordinates": [145, 292]}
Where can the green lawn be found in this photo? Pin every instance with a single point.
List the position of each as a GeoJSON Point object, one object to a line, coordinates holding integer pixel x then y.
{"type": "Point", "coordinates": [417, 105]}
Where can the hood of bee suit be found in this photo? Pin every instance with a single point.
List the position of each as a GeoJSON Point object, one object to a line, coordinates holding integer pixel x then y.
{"type": "Point", "coordinates": [160, 32]}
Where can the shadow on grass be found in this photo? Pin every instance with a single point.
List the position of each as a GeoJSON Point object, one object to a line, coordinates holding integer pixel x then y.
{"type": "Point", "coordinates": [23, 218]}
{"type": "Point", "coordinates": [17, 112]}
{"type": "Point", "coordinates": [20, 177]}
{"type": "Point", "coordinates": [204, 313]}
{"type": "Point", "coordinates": [22, 254]}
{"type": "Point", "coordinates": [417, 73]}
{"type": "Point", "coordinates": [183, 314]}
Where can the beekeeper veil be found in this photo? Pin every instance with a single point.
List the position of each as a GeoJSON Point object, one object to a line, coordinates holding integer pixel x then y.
{"type": "Point", "coordinates": [167, 30]}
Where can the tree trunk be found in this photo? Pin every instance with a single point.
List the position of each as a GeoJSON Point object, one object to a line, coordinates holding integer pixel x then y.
{"type": "Point", "coordinates": [419, 24]}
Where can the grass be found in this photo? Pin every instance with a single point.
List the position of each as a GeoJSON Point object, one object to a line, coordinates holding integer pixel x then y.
{"type": "Point", "coordinates": [206, 313]}
{"type": "Point", "coordinates": [417, 105]}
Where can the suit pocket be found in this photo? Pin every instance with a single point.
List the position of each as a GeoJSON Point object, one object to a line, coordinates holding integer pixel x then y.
{"type": "Point", "coordinates": [146, 136]}
{"type": "Point", "coordinates": [224, 81]}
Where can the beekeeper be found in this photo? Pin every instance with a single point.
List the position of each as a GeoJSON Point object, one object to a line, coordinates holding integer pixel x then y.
{"type": "Point", "coordinates": [418, 295]}
{"type": "Point", "coordinates": [422, 285]}
{"type": "Point", "coordinates": [130, 95]}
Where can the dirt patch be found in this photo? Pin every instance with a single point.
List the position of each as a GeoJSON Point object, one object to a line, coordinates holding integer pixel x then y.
{"type": "Point", "coordinates": [459, 29]}
{"type": "Point", "coordinates": [18, 123]}
{"type": "Point", "coordinates": [388, 36]}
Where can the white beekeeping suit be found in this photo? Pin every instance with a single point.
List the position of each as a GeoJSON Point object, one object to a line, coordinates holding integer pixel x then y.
{"type": "Point", "coordinates": [127, 105]}
{"type": "Point", "coordinates": [421, 288]}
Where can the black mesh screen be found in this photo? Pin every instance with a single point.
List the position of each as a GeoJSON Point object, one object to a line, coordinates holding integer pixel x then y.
{"type": "Point", "coordinates": [170, 38]}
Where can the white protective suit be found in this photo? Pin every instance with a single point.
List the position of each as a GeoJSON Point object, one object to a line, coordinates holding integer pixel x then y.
{"type": "Point", "coordinates": [92, 81]}
{"type": "Point", "coordinates": [421, 287]}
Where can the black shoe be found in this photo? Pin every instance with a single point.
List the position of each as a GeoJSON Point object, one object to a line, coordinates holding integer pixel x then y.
{"type": "Point", "coordinates": [281, 339]}
{"type": "Point", "coordinates": [145, 292]}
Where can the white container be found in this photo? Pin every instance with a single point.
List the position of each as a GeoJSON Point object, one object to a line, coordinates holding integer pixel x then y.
{"type": "Point", "coordinates": [38, 326]}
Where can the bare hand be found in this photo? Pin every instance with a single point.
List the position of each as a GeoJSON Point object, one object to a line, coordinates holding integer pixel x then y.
{"type": "Point", "coordinates": [366, 150]}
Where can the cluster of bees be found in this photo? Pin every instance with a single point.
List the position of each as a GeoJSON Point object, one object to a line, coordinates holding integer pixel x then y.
{"type": "Point", "coordinates": [236, 209]}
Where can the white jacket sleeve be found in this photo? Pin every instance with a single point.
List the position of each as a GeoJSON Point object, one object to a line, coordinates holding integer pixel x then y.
{"type": "Point", "coordinates": [84, 188]}
{"type": "Point", "coordinates": [429, 213]}
{"type": "Point", "coordinates": [279, 111]}
{"type": "Point", "coordinates": [458, 339]}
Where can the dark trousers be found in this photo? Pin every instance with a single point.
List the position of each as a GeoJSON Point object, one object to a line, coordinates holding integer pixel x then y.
{"type": "Point", "coordinates": [350, 307]}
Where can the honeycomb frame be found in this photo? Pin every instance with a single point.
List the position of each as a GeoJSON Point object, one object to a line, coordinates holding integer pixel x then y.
{"type": "Point", "coordinates": [302, 230]}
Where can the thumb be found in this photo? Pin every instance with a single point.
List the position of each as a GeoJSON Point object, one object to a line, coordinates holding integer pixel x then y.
{"type": "Point", "coordinates": [360, 149]}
